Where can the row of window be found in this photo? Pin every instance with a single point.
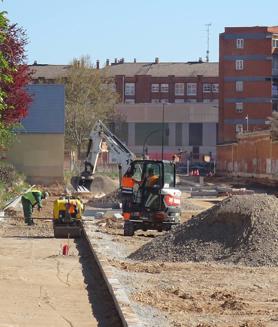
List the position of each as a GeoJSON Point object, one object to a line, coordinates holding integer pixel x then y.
{"type": "Point", "coordinates": [191, 88]}
{"type": "Point", "coordinates": [240, 43]}
{"type": "Point", "coordinates": [132, 101]}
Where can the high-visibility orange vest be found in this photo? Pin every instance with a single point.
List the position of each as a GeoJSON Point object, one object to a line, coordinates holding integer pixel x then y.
{"type": "Point", "coordinates": [127, 182]}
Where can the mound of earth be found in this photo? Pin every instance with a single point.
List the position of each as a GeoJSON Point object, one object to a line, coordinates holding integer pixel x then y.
{"type": "Point", "coordinates": [241, 229]}
{"type": "Point", "coordinates": [104, 184]}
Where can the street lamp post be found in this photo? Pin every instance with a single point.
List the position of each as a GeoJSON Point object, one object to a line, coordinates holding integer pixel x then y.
{"type": "Point", "coordinates": [146, 139]}
{"type": "Point", "coordinates": [162, 140]}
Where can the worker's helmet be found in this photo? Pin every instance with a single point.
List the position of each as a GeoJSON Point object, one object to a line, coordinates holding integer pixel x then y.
{"type": "Point", "coordinates": [45, 195]}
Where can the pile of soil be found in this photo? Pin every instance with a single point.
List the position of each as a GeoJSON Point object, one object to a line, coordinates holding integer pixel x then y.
{"type": "Point", "coordinates": [105, 192]}
{"type": "Point", "coordinates": [104, 184]}
{"type": "Point", "coordinates": [240, 229]}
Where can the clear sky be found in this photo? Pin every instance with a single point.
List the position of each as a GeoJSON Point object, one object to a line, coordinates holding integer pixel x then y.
{"type": "Point", "coordinates": [173, 30]}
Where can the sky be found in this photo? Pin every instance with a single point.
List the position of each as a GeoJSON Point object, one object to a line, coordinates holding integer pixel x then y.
{"type": "Point", "coordinates": [172, 30]}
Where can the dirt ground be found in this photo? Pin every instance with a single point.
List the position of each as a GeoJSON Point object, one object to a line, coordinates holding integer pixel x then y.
{"type": "Point", "coordinates": [164, 294]}
{"type": "Point", "coordinates": [191, 294]}
{"type": "Point", "coordinates": [42, 287]}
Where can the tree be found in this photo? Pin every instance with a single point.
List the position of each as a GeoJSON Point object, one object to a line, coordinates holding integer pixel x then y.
{"type": "Point", "coordinates": [14, 76]}
{"type": "Point", "coordinates": [89, 97]}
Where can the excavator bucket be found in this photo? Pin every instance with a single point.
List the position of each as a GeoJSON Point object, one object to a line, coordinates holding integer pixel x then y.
{"type": "Point", "coordinates": [81, 185]}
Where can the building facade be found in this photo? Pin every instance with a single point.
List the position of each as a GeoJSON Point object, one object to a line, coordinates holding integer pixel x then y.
{"type": "Point", "coordinates": [179, 98]}
{"type": "Point", "coordinates": [248, 79]}
{"type": "Point", "coordinates": [39, 149]}
{"type": "Point", "coordinates": [183, 95]}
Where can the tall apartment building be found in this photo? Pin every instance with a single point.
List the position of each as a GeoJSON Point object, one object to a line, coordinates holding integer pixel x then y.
{"type": "Point", "coordinates": [248, 79]}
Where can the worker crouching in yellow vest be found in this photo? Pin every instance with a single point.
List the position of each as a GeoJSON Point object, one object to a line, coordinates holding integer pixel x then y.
{"type": "Point", "coordinates": [29, 200]}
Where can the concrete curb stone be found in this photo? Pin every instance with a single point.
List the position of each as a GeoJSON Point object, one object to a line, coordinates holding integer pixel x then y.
{"type": "Point", "coordinates": [123, 305]}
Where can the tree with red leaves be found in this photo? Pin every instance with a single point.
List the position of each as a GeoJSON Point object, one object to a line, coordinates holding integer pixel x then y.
{"type": "Point", "coordinates": [14, 76]}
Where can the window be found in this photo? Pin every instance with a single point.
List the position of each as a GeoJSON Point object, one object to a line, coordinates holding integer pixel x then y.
{"type": "Point", "coordinates": [155, 100]}
{"type": "Point", "coordinates": [164, 101]}
{"type": "Point", "coordinates": [215, 88]}
{"type": "Point", "coordinates": [179, 89]}
{"type": "Point", "coordinates": [129, 88]}
{"type": "Point", "coordinates": [239, 64]}
{"type": "Point", "coordinates": [155, 87]}
{"type": "Point", "coordinates": [239, 107]}
{"type": "Point", "coordinates": [206, 88]}
{"type": "Point", "coordinates": [206, 100]}
{"type": "Point", "coordinates": [240, 43]}
{"type": "Point", "coordinates": [179, 100]}
{"type": "Point", "coordinates": [239, 128]}
{"type": "Point", "coordinates": [274, 90]}
{"type": "Point", "coordinates": [275, 43]}
{"type": "Point", "coordinates": [137, 172]}
{"type": "Point", "coordinates": [191, 89]}
{"type": "Point", "coordinates": [191, 100]}
{"type": "Point", "coordinates": [129, 101]}
{"type": "Point", "coordinates": [239, 86]}
{"type": "Point", "coordinates": [164, 88]}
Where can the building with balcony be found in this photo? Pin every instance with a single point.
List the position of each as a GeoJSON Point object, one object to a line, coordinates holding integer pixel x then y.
{"type": "Point", "coordinates": [248, 79]}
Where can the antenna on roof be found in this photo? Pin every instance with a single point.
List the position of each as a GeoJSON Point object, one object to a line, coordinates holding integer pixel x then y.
{"type": "Point", "coordinates": [208, 26]}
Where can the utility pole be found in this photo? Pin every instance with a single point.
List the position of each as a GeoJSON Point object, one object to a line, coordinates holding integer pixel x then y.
{"type": "Point", "coordinates": [163, 123]}
{"type": "Point", "coordinates": [208, 26]}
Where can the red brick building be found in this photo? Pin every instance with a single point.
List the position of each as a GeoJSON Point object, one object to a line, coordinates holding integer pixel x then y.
{"type": "Point", "coordinates": [154, 82]}
{"type": "Point", "coordinates": [248, 79]}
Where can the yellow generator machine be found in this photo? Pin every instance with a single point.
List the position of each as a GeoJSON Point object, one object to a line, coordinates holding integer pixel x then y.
{"type": "Point", "coordinates": [67, 215]}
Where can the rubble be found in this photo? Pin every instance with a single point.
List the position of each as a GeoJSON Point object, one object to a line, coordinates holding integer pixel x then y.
{"type": "Point", "coordinates": [241, 230]}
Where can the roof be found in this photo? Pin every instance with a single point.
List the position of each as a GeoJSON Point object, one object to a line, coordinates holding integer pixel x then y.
{"type": "Point", "coordinates": [48, 71]}
{"type": "Point", "coordinates": [164, 69]}
{"type": "Point", "coordinates": [188, 69]}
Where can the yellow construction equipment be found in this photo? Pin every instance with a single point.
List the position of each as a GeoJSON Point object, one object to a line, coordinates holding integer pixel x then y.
{"type": "Point", "coordinates": [67, 217]}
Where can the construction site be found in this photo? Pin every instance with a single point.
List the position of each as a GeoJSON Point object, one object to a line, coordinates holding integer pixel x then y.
{"type": "Point", "coordinates": [218, 267]}
{"type": "Point", "coordinates": [138, 193]}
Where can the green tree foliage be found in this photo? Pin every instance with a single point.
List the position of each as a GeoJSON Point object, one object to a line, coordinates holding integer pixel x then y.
{"type": "Point", "coordinates": [89, 97]}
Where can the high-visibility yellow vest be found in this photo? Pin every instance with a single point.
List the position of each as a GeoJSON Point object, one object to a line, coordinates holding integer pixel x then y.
{"type": "Point", "coordinates": [30, 196]}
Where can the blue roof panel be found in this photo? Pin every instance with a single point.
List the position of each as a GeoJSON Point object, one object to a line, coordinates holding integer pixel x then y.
{"type": "Point", "coordinates": [47, 110]}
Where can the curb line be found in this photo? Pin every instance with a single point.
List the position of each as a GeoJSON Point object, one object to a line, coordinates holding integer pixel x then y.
{"type": "Point", "coordinates": [128, 317]}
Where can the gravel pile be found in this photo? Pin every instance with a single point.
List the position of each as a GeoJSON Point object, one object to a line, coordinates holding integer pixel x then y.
{"type": "Point", "coordinates": [240, 229]}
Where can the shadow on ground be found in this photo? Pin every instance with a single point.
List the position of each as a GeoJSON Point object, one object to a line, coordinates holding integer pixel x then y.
{"type": "Point", "coordinates": [103, 307]}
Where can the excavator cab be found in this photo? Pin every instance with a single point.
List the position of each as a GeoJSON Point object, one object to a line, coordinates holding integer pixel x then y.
{"type": "Point", "coordinates": [155, 201]}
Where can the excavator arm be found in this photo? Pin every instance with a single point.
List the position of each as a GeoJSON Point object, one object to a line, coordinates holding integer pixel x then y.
{"type": "Point", "coordinates": [121, 154]}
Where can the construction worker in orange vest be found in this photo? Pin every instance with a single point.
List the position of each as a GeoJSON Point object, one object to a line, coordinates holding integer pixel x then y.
{"type": "Point", "coordinates": [127, 185]}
